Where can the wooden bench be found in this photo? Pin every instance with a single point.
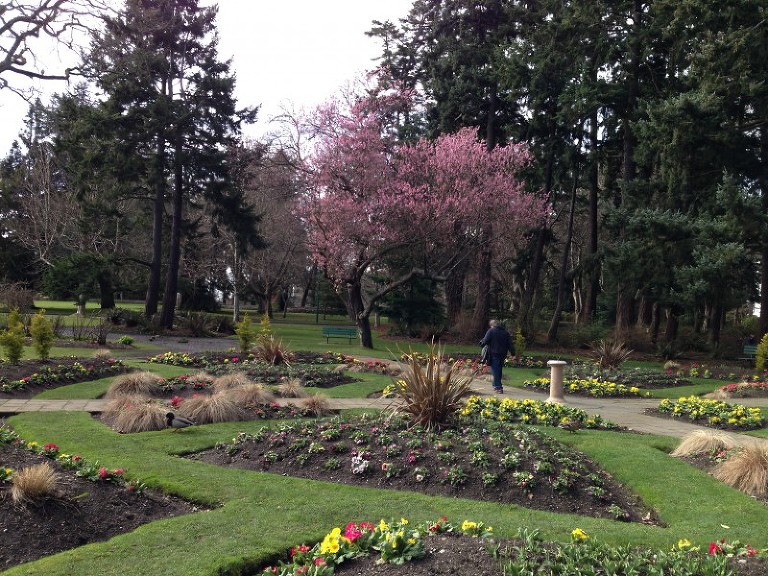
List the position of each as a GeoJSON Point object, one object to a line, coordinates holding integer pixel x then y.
{"type": "Point", "coordinates": [348, 332]}
{"type": "Point", "coordinates": [749, 352]}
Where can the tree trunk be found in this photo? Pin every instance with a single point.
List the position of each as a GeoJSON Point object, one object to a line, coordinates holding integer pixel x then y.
{"type": "Point", "coordinates": [593, 266]}
{"type": "Point", "coordinates": [670, 334]}
{"type": "Point", "coordinates": [106, 289]}
{"type": "Point", "coordinates": [158, 175]}
{"type": "Point", "coordinates": [483, 299]}
{"type": "Point", "coordinates": [563, 276]}
{"type": "Point", "coordinates": [763, 322]}
{"type": "Point", "coordinates": [172, 276]}
{"type": "Point", "coordinates": [454, 294]}
{"type": "Point", "coordinates": [356, 308]}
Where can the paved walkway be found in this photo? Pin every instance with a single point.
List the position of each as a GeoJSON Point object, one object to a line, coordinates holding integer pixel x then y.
{"type": "Point", "coordinates": [627, 412]}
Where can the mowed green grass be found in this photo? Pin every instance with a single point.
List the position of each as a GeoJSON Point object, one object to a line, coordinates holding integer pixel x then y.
{"type": "Point", "coordinates": [250, 518]}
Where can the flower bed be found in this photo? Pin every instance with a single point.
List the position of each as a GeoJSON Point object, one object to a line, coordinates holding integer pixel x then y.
{"type": "Point", "coordinates": [63, 372]}
{"type": "Point", "coordinates": [494, 462]}
{"type": "Point", "coordinates": [394, 542]}
{"type": "Point", "coordinates": [714, 413]}
{"type": "Point", "coordinates": [746, 390]}
{"type": "Point", "coordinates": [530, 412]}
{"type": "Point", "coordinates": [588, 387]}
{"type": "Point", "coordinates": [635, 377]}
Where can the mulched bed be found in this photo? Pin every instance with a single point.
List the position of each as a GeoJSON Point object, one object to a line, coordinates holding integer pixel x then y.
{"type": "Point", "coordinates": [10, 372]}
{"type": "Point", "coordinates": [444, 465]}
{"type": "Point", "coordinates": [83, 512]}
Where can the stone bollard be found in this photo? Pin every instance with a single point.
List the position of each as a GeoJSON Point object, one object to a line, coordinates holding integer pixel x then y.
{"type": "Point", "coordinates": [556, 381]}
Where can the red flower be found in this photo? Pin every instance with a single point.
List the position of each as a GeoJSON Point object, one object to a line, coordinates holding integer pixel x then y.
{"type": "Point", "coordinates": [103, 473]}
{"type": "Point", "coordinates": [118, 472]}
{"type": "Point", "coordinates": [715, 548]}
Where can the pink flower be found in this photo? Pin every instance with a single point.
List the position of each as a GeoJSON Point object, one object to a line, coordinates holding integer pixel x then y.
{"type": "Point", "coordinates": [118, 472]}
{"type": "Point", "coordinates": [103, 473]}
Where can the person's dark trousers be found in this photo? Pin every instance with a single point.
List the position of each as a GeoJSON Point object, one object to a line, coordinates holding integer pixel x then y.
{"type": "Point", "coordinates": [497, 362]}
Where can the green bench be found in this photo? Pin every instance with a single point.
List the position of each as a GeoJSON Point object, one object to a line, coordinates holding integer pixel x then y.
{"type": "Point", "coordinates": [749, 352]}
{"type": "Point", "coordinates": [339, 332]}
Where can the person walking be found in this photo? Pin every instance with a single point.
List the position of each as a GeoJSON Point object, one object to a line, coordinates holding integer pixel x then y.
{"type": "Point", "coordinates": [499, 343]}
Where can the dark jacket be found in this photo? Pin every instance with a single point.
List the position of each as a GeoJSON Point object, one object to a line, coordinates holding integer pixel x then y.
{"type": "Point", "coordinates": [499, 341]}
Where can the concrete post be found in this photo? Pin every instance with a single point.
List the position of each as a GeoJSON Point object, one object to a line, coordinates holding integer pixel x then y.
{"type": "Point", "coordinates": [556, 381]}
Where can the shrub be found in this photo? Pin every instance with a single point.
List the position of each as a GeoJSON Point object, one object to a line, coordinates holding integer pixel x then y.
{"type": "Point", "coordinates": [125, 340]}
{"type": "Point", "coordinates": [197, 324]}
{"type": "Point", "coordinates": [245, 333]}
{"type": "Point", "coordinates": [520, 343]}
{"type": "Point", "coordinates": [431, 394]}
{"type": "Point", "coordinates": [142, 383]}
{"type": "Point", "coordinates": [16, 295]}
{"type": "Point", "coordinates": [42, 334]}
{"type": "Point", "coordinates": [12, 339]}
{"type": "Point", "coordinates": [761, 354]}
{"type": "Point", "coordinates": [33, 483]}
{"type": "Point", "coordinates": [265, 328]}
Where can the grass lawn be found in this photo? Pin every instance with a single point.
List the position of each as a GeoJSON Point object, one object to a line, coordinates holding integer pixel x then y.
{"type": "Point", "coordinates": [252, 517]}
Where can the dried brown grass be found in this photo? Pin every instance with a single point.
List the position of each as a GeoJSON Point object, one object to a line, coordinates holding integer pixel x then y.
{"type": "Point", "coordinates": [431, 394]}
{"type": "Point", "coordinates": [703, 441]}
{"type": "Point", "coordinates": [747, 471]}
{"type": "Point", "coordinates": [135, 383]}
{"type": "Point", "coordinates": [210, 409]}
{"type": "Point", "coordinates": [249, 395]}
{"type": "Point", "coordinates": [291, 389]}
{"type": "Point", "coordinates": [230, 380]}
{"type": "Point", "coordinates": [102, 353]}
{"type": "Point", "coordinates": [34, 483]}
{"type": "Point", "coordinates": [317, 404]}
{"type": "Point", "coordinates": [136, 414]}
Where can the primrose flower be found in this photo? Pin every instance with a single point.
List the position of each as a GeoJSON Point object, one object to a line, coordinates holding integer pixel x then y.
{"type": "Point", "coordinates": [578, 535]}
{"type": "Point", "coordinates": [683, 543]}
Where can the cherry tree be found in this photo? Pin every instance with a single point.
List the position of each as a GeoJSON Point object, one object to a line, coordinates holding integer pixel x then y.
{"type": "Point", "coordinates": [371, 198]}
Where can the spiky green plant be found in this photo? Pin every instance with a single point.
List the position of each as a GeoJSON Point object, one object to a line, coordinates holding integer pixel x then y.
{"type": "Point", "coordinates": [431, 393]}
{"type": "Point", "coordinates": [609, 354]}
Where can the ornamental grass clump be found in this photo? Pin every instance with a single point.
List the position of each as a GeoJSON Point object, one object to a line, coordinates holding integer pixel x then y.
{"type": "Point", "coordinates": [33, 483]}
{"type": "Point", "coordinates": [230, 380]}
{"type": "Point", "coordinates": [431, 394]}
{"type": "Point", "coordinates": [609, 354]}
{"type": "Point", "coordinates": [217, 407]}
{"type": "Point", "coordinates": [135, 383]}
{"type": "Point", "coordinates": [317, 405]}
{"type": "Point", "coordinates": [249, 395]}
{"type": "Point", "coordinates": [291, 389]}
{"type": "Point", "coordinates": [272, 352]}
{"type": "Point", "coordinates": [703, 441]}
{"type": "Point", "coordinates": [133, 414]}
{"type": "Point", "coordinates": [747, 471]}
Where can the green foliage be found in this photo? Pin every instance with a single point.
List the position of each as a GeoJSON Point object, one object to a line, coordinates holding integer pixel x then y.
{"type": "Point", "coordinates": [761, 354]}
{"type": "Point", "coordinates": [265, 329]}
{"type": "Point", "coordinates": [42, 333]}
{"type": "Point", "coordinates": [12, 339]}
{"type": "Point", "coordinates": [520, 343]}
{"type": "Point", "coordinates": [245, 333]}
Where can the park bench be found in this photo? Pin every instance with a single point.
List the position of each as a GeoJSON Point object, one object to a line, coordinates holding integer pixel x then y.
{"type": "Point", "coordinates": [348, 332]}
{"type": "Point", "coordinates": [749, 352]}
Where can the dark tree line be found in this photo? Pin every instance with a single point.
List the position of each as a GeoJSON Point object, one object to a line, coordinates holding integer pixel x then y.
{"type": "Point", "coordinates": [648, 121]}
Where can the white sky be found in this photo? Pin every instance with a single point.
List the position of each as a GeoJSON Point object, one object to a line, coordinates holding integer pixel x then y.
{"type": "Point", "coordinates": [296, 53]}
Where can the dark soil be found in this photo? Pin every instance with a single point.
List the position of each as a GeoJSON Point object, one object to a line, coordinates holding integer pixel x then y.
{"type": "Point", "coordinates": [10, 372]}
{"type": "Point", "coordinates": [455, 555]}
{"type": "Point", "coordinates": [461, 463]}
{"type": "Point", "coordinates": [81, 512]}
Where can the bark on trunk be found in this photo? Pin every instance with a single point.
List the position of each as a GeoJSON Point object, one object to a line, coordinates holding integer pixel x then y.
{"type": "Point", "coordinates": [356, 308]}
{"type": "Point", "coordinates": [153, 286]}
{"type": "Point", "coordinates": [172, 276]}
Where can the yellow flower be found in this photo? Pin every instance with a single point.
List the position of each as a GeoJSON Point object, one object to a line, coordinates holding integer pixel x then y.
{"type": "Point", "coordinates": [411, 541]}
{"type": "Point", "coordinates": [579, 535]}
{"type": "Point", "coordinates": [683, 543]}
{"type": "Point", "coordinates": [466, 526]}
{"type": "Point", "coordinates": [334, 546]}
{"type": "Point", "coordinates": [383, 526]}
{"type": "Point", "coordinates": [403, 521]}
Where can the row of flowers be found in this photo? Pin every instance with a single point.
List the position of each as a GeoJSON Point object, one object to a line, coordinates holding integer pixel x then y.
{"type": "Point", "coordinates": [746, 389]}
{"type": "Point", "coordinates": [714, 413]}
{"type": "Point", "coordinates": [65, 374]}
{"type": "Point", "coordinates": [366, 366]}
{"type": "Point", "coordinates": [89, 470]}
{"type": "Point", "coordinates": [531, 412]}
{"type": "Point", "coordinates": [199, 360]}
{"type": "Point", "coordinates": [395, 542]}
{"type": "Point", "coordinates": [588, 387]}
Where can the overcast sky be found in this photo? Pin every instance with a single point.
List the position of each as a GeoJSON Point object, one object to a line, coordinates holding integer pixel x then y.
{"type": "Point", "coordinates": [297, 52]}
